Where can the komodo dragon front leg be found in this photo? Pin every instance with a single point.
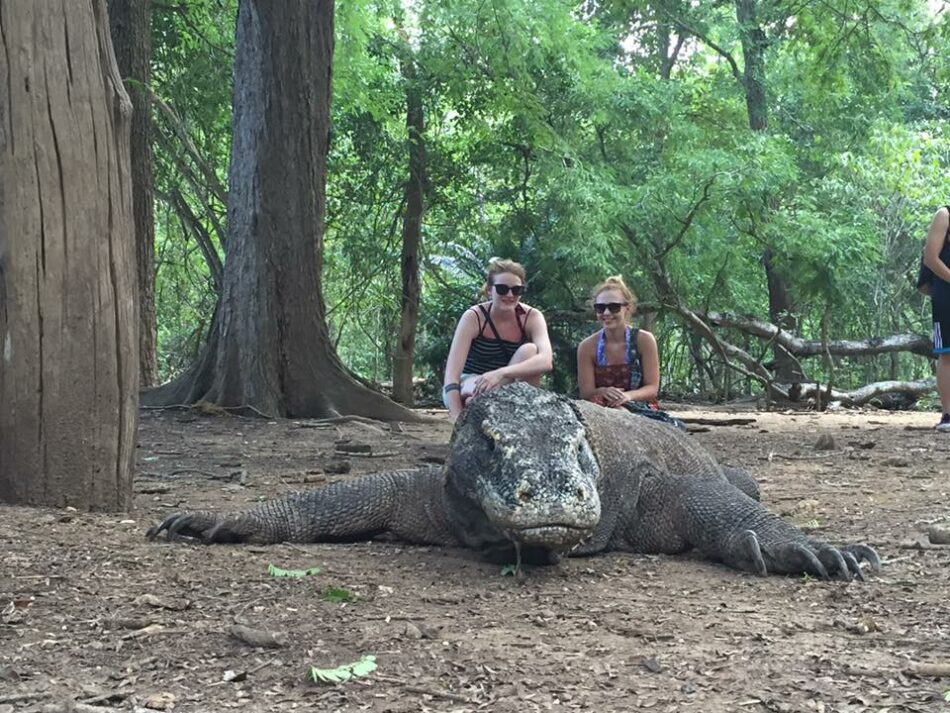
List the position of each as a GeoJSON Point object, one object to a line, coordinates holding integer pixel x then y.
{"type": "Point", "coordinates": [406, 503]}
{"type": "Point", "coordinates": [676, 513]}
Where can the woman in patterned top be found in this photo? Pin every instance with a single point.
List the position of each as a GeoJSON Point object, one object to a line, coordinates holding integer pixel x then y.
{"type": "Point", "coordinates": [618, 365]}
{"type": "Point", "coordinates": [496, 342]}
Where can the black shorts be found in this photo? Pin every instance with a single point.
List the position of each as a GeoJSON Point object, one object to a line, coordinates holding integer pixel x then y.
{"type": "Point", "coordinates": [940, 302]}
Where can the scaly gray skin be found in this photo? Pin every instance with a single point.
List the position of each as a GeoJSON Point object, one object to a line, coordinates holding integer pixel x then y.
{"type": "Point", "coordinates": [535, 472]}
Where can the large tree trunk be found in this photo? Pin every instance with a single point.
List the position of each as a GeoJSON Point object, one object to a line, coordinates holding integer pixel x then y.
{"type": "Point", "coordinates": [411, 238]}
{"type": "Point", "coordinates": [270, 351]}
{"type": "Point", "coordinates": [68, 322]}
{"type": "Point", "coordinates": [130, 21]}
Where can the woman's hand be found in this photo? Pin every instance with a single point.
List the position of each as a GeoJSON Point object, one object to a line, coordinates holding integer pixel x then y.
{"type": "Point", "coordinates": [489, 380]}
{"type": "Point", "coordinates": [613, 396]}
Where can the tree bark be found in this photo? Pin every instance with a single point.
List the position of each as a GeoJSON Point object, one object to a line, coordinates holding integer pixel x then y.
{"type": "Point", "coordinates": [753, 54]}
{"type": "Point", "coordinates": [269, 351]}
{"type": "Point", "coordinates": [130, 21]}
{"type": "Point", "coordinates": [68, 322]}
{"type": "Point", "coordinates": [782, 314]}
{"type": "Point", "coordinates": [411, 237]}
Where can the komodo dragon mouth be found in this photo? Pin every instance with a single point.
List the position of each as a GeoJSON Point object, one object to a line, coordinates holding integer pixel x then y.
{"type": "Point", "coordinates": [554, 536]}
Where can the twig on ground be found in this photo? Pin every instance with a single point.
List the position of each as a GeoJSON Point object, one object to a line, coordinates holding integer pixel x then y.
{"type": "Point", "coordinates": [181, 471]}
{"type": "Point", "coordinates": [814, 456]}
{"type": "Point", "coordinates": [20, 697]}
{"type": "Point", "coordinates": [381, 454]}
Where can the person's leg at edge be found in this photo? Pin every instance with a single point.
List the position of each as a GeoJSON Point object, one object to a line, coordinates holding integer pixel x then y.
{"type": "Point", "coordinates": [943, 388]}
{"type": "Point", "coordinates": [940, 306]}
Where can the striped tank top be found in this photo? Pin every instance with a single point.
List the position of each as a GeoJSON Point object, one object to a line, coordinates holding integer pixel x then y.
{"type": "Point", "coordinates": [486, 354]}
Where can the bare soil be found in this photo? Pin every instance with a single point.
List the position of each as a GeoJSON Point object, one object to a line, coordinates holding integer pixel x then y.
{"type": "Point", "coordinates": [93, 617]}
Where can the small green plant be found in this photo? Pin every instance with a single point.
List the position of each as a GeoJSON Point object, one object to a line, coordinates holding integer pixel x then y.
{"type": "Point", "coordinates": [365, 666]}
{"type": "Point", "coordinates": [509, 570]}
{"type": "Point", "coordinates": [338, 596]}
{"type": "Point", "coordinates": [274, 571]}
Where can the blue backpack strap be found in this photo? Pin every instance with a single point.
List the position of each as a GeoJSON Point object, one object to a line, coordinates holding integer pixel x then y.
{"type": "Point", "coordinates": [601, 358]}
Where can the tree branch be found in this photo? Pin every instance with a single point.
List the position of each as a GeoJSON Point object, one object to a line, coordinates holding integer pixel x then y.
{"type": "Point", "coordinates": [914, 343]}
{"type": "Point", "coordinates": [705, 40]}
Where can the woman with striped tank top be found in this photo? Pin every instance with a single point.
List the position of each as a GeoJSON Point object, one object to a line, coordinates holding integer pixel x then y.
{"type": "Point", "coordinates": [496, 342]}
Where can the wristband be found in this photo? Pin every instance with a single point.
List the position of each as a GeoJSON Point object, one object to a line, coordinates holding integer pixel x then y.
{"type": "Point", "coordinates": [451, 387]}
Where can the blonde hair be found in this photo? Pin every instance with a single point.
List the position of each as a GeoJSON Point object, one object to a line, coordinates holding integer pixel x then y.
{"type": "Point", "coordinates": [615, 282]}
{"type": "Point", "coordinates": [498, 266]}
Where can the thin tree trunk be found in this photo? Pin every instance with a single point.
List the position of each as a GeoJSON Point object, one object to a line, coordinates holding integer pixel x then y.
{"type": "Point", "coordinates": [781, 306]}
{"type": "Point", "coordinates": [68, 321]}
{"type": "Point", "coordinates": [269, 351]}
{"type": "Point", "coordinates": [782, 314]}
{"type": "Point", "coordinates": [411, 238]}
{"type": "Point", "coordinates": [130, 21]}
{"type": "Point", "coordinates": [753, 55]}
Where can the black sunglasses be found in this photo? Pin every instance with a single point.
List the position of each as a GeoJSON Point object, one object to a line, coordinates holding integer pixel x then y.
{"type": "Point", "coordinates": [503, 290]}
{"type": "Point", "coordinates": [614, 307]}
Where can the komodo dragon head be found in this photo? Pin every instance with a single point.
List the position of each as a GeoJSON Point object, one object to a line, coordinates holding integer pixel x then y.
{"type": "Point", "coordinates": [525, 473]}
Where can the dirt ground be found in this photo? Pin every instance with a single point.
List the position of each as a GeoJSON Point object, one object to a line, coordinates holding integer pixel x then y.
{"type": "Point", "coordinates": [93, 617]}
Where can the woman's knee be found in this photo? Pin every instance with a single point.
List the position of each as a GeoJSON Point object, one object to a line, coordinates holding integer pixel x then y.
{"type": "Point", "coordinates": [524, 352]}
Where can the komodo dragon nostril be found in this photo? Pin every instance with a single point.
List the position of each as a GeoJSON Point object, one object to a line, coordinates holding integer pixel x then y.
{"type": "Point", "coordinates": [524, 495]}
{"type": "Point", "coordinates": [581, 494]}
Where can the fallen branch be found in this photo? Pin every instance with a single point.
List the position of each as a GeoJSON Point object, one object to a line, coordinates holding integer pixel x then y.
{"type": "Point", "coordinates": [940, 669]}
{"type": "Point", "coordinates": [717, 421]}
{"type": "Point", "coordinates": [865, 394]}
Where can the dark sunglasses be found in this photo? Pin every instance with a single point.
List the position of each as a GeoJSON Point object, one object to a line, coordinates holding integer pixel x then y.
{"type": "Point", "coordinates": [614, 307]}
{"type": "Point", "coordinates": [503, 290]}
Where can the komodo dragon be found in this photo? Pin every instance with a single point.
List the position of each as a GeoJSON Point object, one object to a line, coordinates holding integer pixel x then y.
{"type": "Point", "coordinates": [533, 475]}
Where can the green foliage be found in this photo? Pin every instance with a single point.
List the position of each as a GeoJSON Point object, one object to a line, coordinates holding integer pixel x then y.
{"type": "Point", "coordinates": [338, 596]}
{"type": "Point", "coordinates": [275, 571]}
{"type": "Point", "coordinates": [555, 137]}
{"type": "Point", "coordinates": [341, 674]}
